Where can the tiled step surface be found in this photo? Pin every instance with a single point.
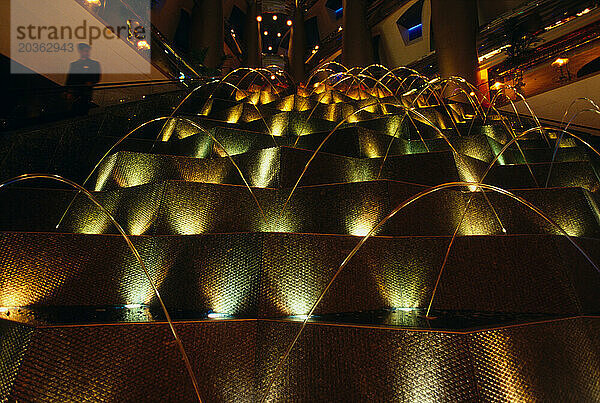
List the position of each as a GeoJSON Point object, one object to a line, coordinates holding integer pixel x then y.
{"type": "Point", "coordinates": [276, 275]}
{"type": "Point", "coordinates": [393, 138]}
{"type": "Point", "coordinates": [282, 166]}
{"type": "Point", "coordinates": [278, 167]}
{"type": "Point", "coordinates": [65, 151]}
{"type": "Point", "coordinates": [235, 359]}
{"type": "Point", "coordinates": [208, 248]}
{"type": "Point", "coordinates": [562, 174]}
{"type": "Point", "coordinates": [353, 208]}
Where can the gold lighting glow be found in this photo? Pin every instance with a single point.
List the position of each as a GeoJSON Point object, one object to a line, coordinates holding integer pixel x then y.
{"type": "Point", "coordinates": [137, 290]}
{"type": "Point", "coordinates": [266, 97]}
{"type": "Point", "coordinates": [186, 220]}
{"type": "Point", "coordinates": [279, 123]}
{"type": "Point", "coordinates": [146, 168]}
{"type": "Point", "coordinates": [363, 215]}
{"type": "Point", "coordinates": [561, 61]}
{"type": "Point", "coordinates": [497, 356]}
{"type": "Point", "coordinates": [584, 12]}
{"type": "Point", "coordinates": [105, 171]}
{"type": "Point", "coordinates": [267, 167]}
{"type": "Point", "coordinates": [206, 108]}
{"type": "Point", "coordinates": [234, 113]}
{"type": "Point", "coordinates": [291, 299]}
{"type": "Point", "coordinates": [493, 53]}
{"type": "Point", "coordinates": [287, 104]}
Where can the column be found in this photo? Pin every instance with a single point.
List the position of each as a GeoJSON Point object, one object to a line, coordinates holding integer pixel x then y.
{"type": "Point", "coordinates": [455, 28]}
{"type": "Point", "coordinates": [357, 44]}
{"type": "Point", "coordinates": [297, 45]}
{"type": "Point", "coordinates": [252, 36]}
{"type": "Point", "coordinates": [207, 31]}
{"type": "Point", "coordinates": [166, 18]}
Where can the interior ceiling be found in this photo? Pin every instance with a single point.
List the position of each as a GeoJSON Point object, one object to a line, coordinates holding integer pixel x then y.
{"type": "Point", "coordinates": [276, 6]}
{"type": "Point", "coordinates": [532, 17]}
{"type": "Point", "coordinates": [535, 14]}
{"type": "Point", "coordinates": [283, 6]}
{"type": "Point", "coordinates": [547, 8]}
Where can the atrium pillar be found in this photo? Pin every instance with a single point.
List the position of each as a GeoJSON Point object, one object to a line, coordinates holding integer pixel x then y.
{"type": "Point", "coordinates": [357, 44]}
{"type": "Point", "coordinates": [455, 28]}
{"type": "Point", "coordinates": [297, 45]}
{"type": "Point", "coordinates": [207, 31]}
{"type": "Point", "coordinates": [252, 36]}
{"type": "Point", "coordinates": [166, 18]}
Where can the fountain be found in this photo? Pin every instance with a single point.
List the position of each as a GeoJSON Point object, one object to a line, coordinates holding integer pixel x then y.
{"type": "Point", "coordinates": [287, 231]}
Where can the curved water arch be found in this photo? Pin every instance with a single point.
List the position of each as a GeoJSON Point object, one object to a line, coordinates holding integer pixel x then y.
{"type": "Point", "coordinates": [528, 106]}
{"type": "Point", "coordinates": [321, 70]}
{"type": "Point", "coordinates": [259, 72]}
{"type": "Point", "coordinates": [585, 99]}
{"type": "Point", "coordinates": [350, 76]}
{"type": "Point", "coordinates": [202, 129]}
{"type": "Point", "coordinates": [463, 215]}
{"type": "Point", "coordinates": [273, 69]}
{"type": "Point", "coordinates": [220, 82]}
{"type": "Point", "coordinates": [440, 133]}
{"type": "Point", "coordinates": [510, 130]}
{"type": "Point", "coordinates": [593, 110]}
{"type": "Point", "coordinates": [136, 254]}
{"type": "Point", "coordinates": [209, 98]}
{"type": "Point", "coordinates": [400, 207]}
{"type": "Point", "coordinates": [394, 95]}
{"type": "Point", "coordinates": [249, 70]}
{"type": "Point", "coordinates": [236, 88]}
{"type": "Point", "coordinates": [415, 77]}
{"type": "Point", "coordinates": [460, 82]}
{"type": "Point", "coordinates": [325, 66]}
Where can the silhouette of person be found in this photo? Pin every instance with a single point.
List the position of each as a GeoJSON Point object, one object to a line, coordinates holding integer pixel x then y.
{"type": "Point", "coordinates": [83, 75]}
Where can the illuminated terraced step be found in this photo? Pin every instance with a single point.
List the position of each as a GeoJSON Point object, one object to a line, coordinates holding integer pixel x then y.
{"type": "Point", "coordinates": [484, 142]}
{"type": "Point", "coordinates": [299, 124]}
{"type": "Point", "coordinates": [564, 174]}
{"type": "Point", "coordinates": [281, 167]}
{"type": "Point", "coordinates": [75, 160]}
{"type": "Point", "coordinates": [517, 299]}
{"type": "Point", "coordinates": [276, 123]}
{"type": "Point", "coordinates": [275, 275]}
{"type": "Point", "coordinates": [302, 108]}
{"type": "Point", "coordinates": [350, 141]}
{"type": "Point", "coordinates": [233, 358]}
{"type": "Point", "coordinates": [357, 141]}
{"type": "Point", "coordinates": [351, 208]}
{"type": "Point", "coordinates": [563, 154]}
{"type": "Point", "coordinates": [367, 143]}
{"type": "Point", "coordinates": [278, 167]}
{"type": "Point", "coordinates": [187, 140]}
